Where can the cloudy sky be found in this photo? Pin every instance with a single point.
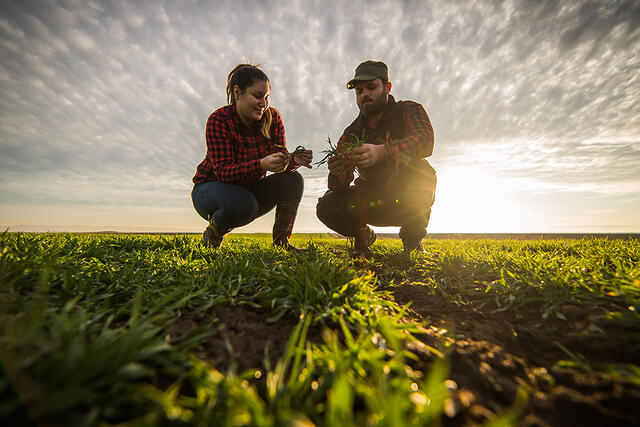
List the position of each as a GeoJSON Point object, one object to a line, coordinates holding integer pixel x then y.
{"type": "Point", "coordinates": [535, 105]}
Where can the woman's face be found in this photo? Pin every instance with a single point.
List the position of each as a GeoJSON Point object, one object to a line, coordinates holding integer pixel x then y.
{"type": "Point", "coordinates": [253, 101]}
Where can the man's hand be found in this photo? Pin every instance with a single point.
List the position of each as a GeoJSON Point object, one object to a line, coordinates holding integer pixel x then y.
{"type": "Point", "coordinates": [304, 158]}
{"type": "Point", "coordinates": [367, 155]}
{"type": "Point", "coordinates": [338, 166]}
{"type": "Point", "coordinates": [275, 162]}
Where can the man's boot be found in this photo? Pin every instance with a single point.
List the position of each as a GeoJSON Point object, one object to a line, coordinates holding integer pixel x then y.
{"type": "Point", "coordinates": [362, 240]}
{"type": "Point", "coordinates": [412, 241]}
{"type": "Point", "coordinates": [213, 235]}
{"type": "Point", "coordinates": [283, 226]}
{"type": "Point", "coordinates": [413, 246]}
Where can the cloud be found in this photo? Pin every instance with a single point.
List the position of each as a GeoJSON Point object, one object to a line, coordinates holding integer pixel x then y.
{"type": "Point", "coordinates": [115, 95]}
{"type": "Point", "coordinates": [599, 167]}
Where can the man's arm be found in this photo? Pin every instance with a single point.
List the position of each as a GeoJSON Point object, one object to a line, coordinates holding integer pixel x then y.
{"type": "Point", "coordinates": [419, 141]}
{"type": "Point", "coordinates": [418, 144]}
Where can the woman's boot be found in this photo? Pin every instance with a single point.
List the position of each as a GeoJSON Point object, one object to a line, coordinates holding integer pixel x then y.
{"type": "Point", "coordinates": [213, 235]}
{"type": "Point", "coordinates": [283, 225]}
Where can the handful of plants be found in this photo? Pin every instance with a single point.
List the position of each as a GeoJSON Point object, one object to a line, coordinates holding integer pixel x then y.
{"type": "Point", "coordinates": [299, 150]}
{"type": "Point", "coordinates": [349, 144]}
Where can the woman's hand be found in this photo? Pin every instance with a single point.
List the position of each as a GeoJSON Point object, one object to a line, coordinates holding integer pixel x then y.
{"type": "Point", "coordinates": [304, 158]}
{"type": "Point", "coordinates": [274, 162]}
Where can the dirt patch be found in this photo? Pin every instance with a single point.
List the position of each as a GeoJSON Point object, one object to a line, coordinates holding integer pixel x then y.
{"type": "Point", "coordinates": [493, 355]}
{"type": "Point", "coordinates": [243, 337]}
{"type": "Point", "coordinates": [522, 331]}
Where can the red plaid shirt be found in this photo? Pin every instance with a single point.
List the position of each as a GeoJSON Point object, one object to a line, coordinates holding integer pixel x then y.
{"type": "Point", "coordinates": [234, 150]}
{"type": "Point", "coordinates": [417, 145]}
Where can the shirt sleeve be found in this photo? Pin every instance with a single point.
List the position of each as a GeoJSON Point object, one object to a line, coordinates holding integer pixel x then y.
{"type": "Point", "coordinates": [334, 182]}
{"type": "Point", "coordinates": [221, 154]}
{"type": "Point", "coordinates": [280, 141]}
{"type": "Point", "coordinates": [419, 141]}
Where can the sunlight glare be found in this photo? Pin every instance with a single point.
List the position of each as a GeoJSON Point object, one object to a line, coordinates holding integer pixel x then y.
{"type": "Point", "coordinates": [470, 200]}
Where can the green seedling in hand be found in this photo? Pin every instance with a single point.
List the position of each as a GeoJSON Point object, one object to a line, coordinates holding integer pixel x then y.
{"type": "Point", "coordinates": [299, 150]}
{"type": "Point", "coordinates": [348, 145]}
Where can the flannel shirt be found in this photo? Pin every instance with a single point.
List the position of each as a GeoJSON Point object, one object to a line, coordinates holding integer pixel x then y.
{"type": "Point", "coordinates": [234, 150]}
{"type": "Point", "coordinates": [418, 143]}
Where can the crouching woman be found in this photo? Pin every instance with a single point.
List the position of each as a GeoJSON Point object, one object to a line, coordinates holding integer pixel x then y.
{"type": "Point", "coordinates": [245, 140]}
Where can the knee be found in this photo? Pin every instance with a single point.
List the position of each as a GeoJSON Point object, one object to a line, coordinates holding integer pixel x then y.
{"type": "Point", "coordinates": [326, 206]}
{"type": "Point", "coordinates": [295, 182]}
{"type": "Point", "coordinates": [289, 186]}
{"type": "Point", "coordinates": [242, 211]}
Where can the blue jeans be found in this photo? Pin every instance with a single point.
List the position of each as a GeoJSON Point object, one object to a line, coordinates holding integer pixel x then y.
{"type": "Point", "coordinates": [233, 205]}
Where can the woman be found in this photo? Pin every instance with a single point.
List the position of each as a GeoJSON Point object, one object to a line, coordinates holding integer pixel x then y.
{"type": "Point", "coordinates": [245, 140]}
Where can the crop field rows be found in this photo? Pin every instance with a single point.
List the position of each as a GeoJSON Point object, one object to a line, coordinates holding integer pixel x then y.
{"type": "Point", "coordinates": [157, 330]}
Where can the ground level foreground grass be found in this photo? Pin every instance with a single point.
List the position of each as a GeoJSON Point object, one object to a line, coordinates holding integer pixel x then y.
{"type": "Point", "coordinates": [157, 330]}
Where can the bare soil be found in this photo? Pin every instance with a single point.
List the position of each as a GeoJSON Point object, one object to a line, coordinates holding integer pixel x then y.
{"type": "Point", "coordinates": [491, 355]}
{"type": "Point", "coordinates": [243, 338]}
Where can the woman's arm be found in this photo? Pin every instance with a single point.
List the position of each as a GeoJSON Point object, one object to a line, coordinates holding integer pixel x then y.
{"type": "Point", "coordinates": [279, 140]}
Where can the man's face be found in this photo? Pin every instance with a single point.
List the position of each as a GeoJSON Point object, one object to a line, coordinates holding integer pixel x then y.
{"type": "Point", "coordinates": [371, 96]}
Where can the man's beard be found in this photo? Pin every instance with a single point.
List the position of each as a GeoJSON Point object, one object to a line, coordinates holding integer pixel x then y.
{"type": "Point", "coordinates": [368, 109]}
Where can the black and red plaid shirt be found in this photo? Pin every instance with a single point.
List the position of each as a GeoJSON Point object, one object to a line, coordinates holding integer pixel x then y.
{"type": "Point", "coordinates": [234, 150]}
{"type": "Point", "coordinates": [418, 143]}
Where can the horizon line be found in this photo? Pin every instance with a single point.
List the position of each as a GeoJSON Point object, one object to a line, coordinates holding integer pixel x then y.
{"type": "Point", "coordinates": [440, 235]}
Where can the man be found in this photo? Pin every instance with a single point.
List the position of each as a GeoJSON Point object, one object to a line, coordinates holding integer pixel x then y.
{"type": "Point", "coordinates": [396, 185]}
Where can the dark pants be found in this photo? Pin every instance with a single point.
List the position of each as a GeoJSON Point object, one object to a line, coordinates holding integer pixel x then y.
{"type": "Point", "coordinates": [235, 205]}
{"type": "Point", "coordinates": [346, 211]}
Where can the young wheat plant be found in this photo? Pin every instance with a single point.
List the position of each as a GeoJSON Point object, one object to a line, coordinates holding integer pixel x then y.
{"type": "Point", "coordinates": [290, 155]}
{"type": "Point", "coordinates": [353, 141]}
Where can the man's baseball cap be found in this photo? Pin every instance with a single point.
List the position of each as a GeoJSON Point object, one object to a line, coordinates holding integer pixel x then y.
{"type": "Point", "coordinates": [369, 70]}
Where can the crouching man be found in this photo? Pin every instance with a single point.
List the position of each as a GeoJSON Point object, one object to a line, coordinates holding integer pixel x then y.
{"type": "Point", "coordinates": [387, 144]}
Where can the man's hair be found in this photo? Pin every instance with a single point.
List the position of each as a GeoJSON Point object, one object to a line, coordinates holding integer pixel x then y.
{"type": "Point", "coordinates": [243, 76]}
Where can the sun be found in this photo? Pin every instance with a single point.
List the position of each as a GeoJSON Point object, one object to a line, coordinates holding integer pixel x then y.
{"type": "Point", "coordinates": [470, 200]}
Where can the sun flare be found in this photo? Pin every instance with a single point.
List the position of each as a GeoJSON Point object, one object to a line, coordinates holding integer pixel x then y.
{"type": "Point", "coordinates": [470, 200]}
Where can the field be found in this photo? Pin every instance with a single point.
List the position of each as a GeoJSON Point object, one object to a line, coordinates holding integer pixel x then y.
{"type": "Point", "coordinates": [157, 330]}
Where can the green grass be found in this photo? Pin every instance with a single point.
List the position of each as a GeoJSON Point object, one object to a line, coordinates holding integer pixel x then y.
{"type": "Point", "coordinates": [509, 274]}
{"type": "Point", "coordinates": [83, 321]}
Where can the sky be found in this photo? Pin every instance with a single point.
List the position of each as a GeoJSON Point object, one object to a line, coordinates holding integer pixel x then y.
{"type": "Point", "coordinates": [535, 105]}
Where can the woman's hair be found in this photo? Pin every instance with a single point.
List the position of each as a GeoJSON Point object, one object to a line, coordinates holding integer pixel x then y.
{"type": "Point", "coordinates": [243, 76]}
